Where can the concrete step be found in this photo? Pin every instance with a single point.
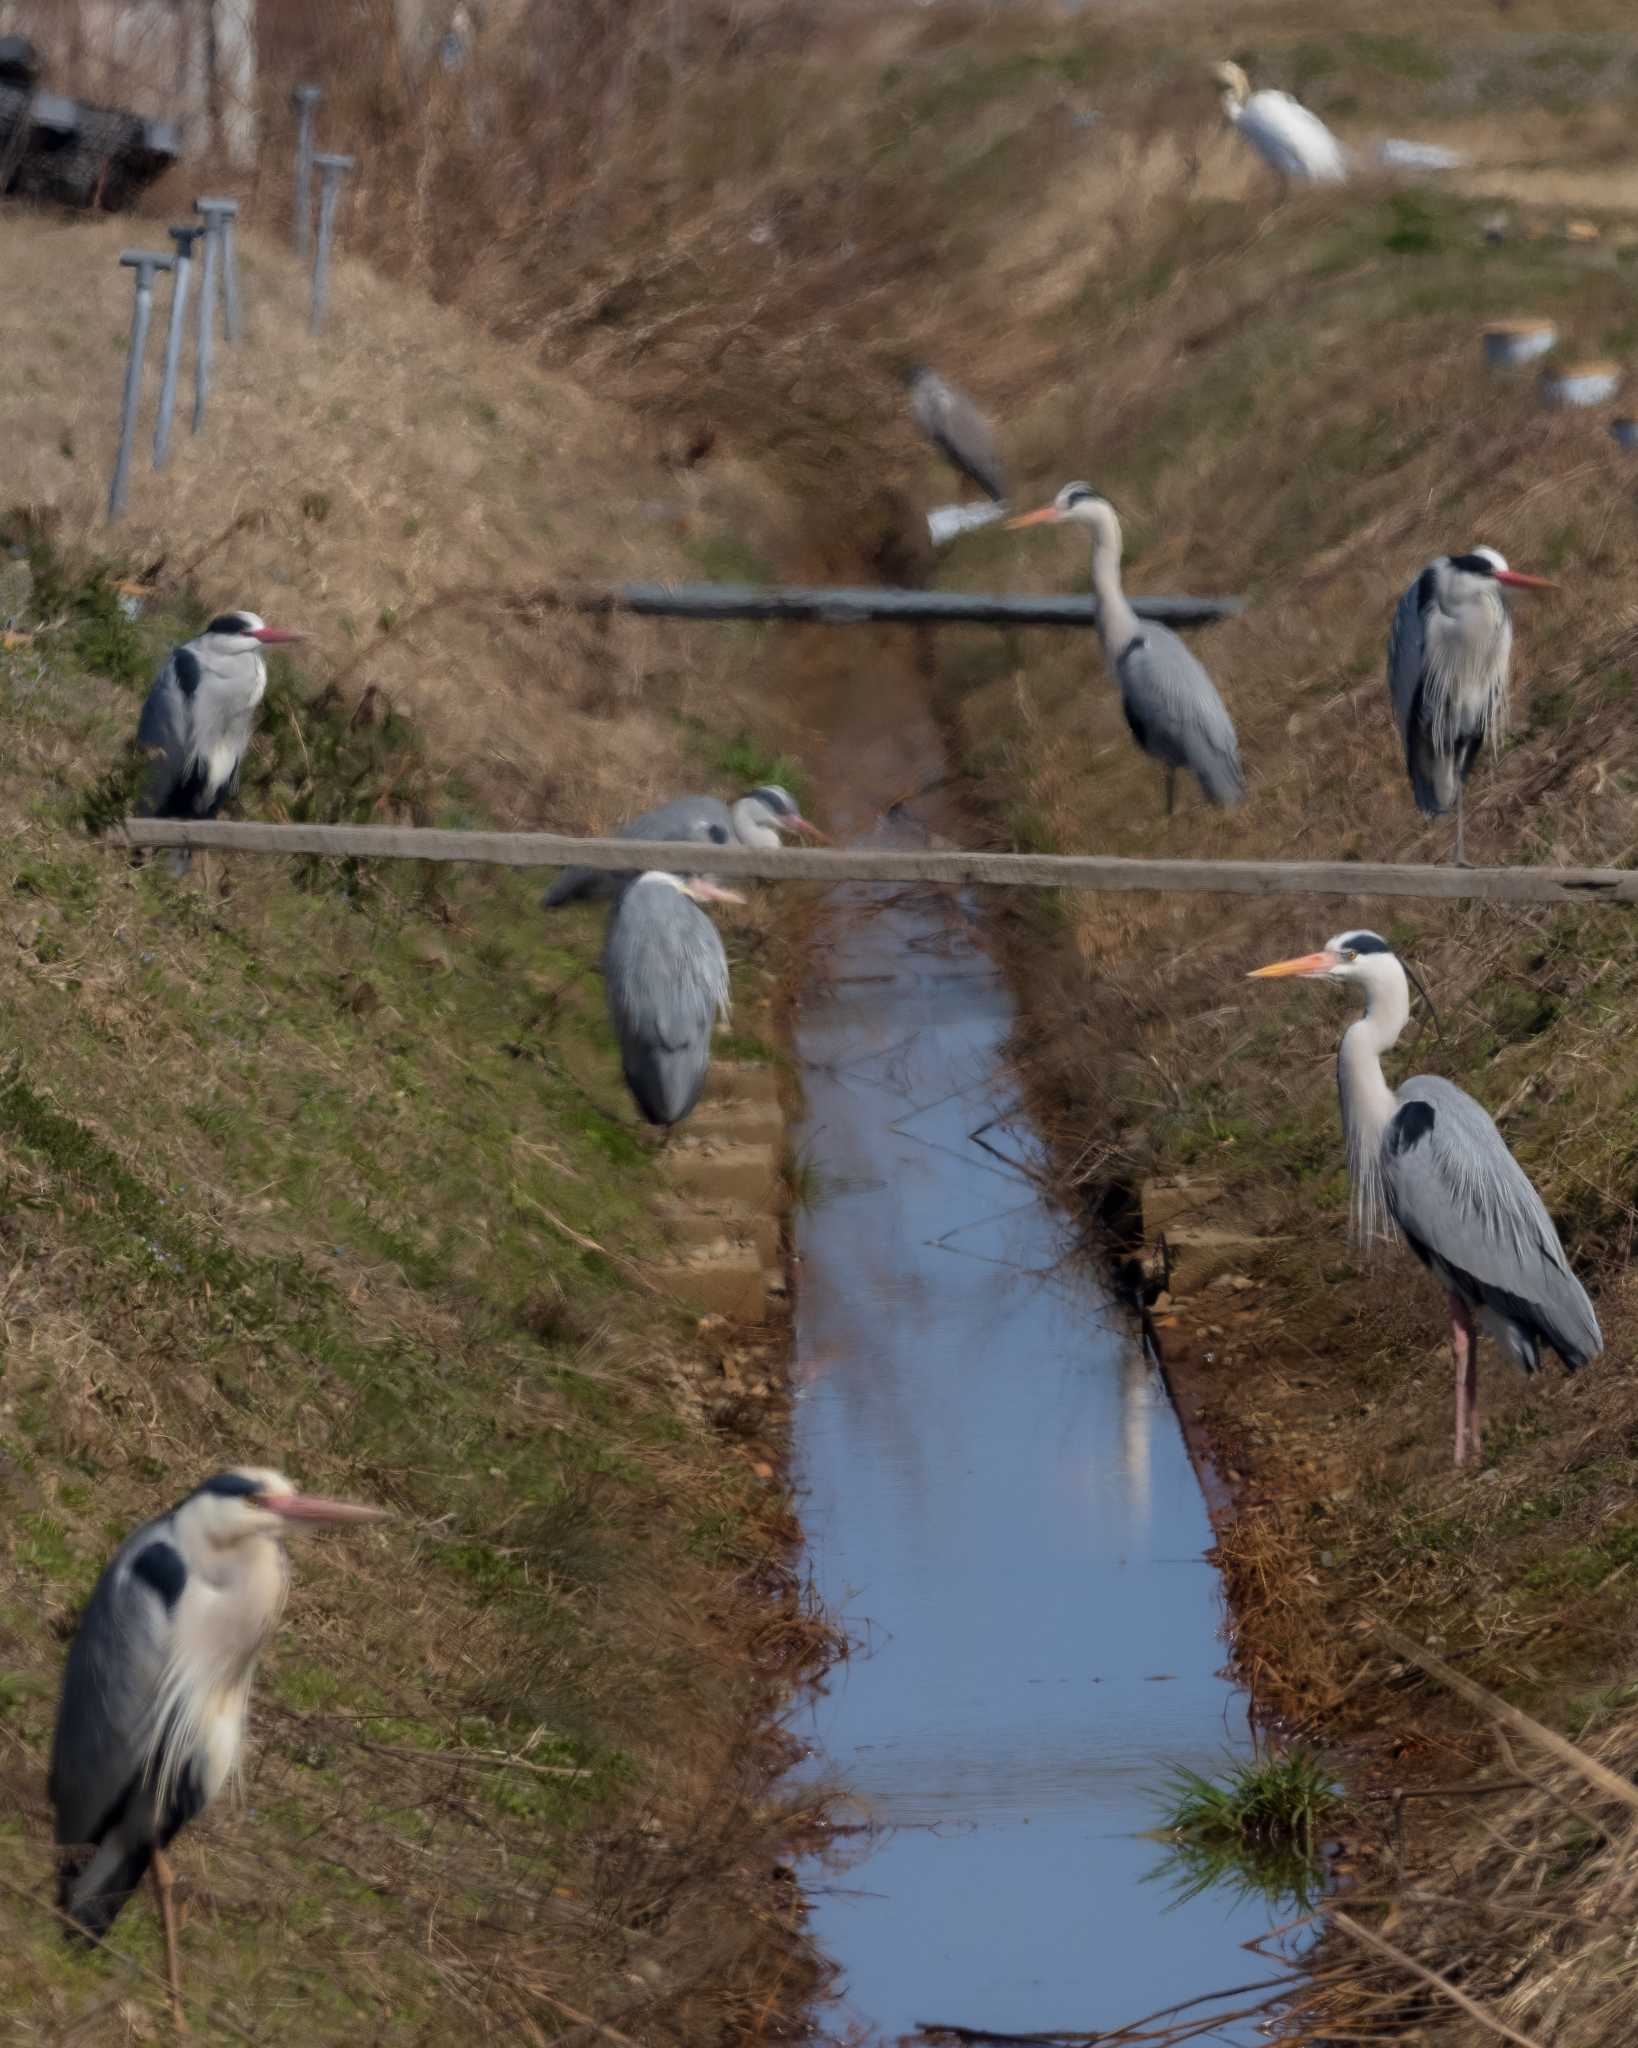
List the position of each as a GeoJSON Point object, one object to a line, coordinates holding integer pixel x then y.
{"type": "Point", "coordinates": [747, 1175]}
{"type": "Point", "coordinates": [741, 1081]}
{"type": "Point", "coordinates": [691, 1224]}
{"type": "Point", "coordinates": [730, 1284]}
{"type": "Point", "coordinates": [1199, 1255]}
{"type": "Point", "coordinates": [1164, 1201]}
{"type": "Point", "coordinates": [739, 1123]}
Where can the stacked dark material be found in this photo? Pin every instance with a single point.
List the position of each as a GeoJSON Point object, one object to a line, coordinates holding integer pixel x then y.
{"type": "Point", "coordinates": [62, 150]}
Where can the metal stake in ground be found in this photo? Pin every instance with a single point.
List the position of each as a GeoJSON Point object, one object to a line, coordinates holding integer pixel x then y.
{"type": "Point", "coordinates": [204, 348]}
{"type": "Point", "coordinates": [304, 98]}
{"type": "Point", "coordinates": [331, 170]}
{"type": "Point", "coordinates": [184, 238]}
{"type": "Point", "coordinates": [144, 262]}
{"type": "Point", "coordinates": [220, 217]}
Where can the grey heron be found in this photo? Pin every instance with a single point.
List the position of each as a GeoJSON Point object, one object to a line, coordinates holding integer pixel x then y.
{"type": "Point", "coordinates": [1426, 1160]}
{"type": "Point", "coordinates": [152, 1716]}
{"type": "Point", "coordinates": [666, 978]}
{"type": "Point", "coordinates": [761, 817]}
{"type": "Point", "coordinates": [199, 715]}
{"type": "Point", "coordinates": [1172, 707]}
{"type": "Point", "coordinates": [957, 429]}
{"type": "Point", "coordinates": [1295, 144]}
{"type": "Point", "coordinates": [1449, 650]}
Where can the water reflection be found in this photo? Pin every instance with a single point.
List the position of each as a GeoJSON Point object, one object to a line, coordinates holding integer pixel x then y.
{"type": "Point", "coordinates": [998, 1497]}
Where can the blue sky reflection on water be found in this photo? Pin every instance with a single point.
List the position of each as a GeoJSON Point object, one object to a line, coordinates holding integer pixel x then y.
{"type": "Point", "coordinates": [998, 1500]}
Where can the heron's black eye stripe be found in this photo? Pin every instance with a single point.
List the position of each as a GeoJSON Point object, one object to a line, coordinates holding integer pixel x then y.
{"type": "Point", "coordinates": [1474, 565]}
{"type": "Point", "coordinates": [234, 1485]}
{"type": "Point", "coordinates": [229, 622]}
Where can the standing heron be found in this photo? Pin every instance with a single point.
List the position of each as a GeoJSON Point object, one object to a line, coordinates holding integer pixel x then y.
{"type": "Point", "coordinates": [759, 818]}
{"type": "Point", "coordinates": [957, 429]}
{"type": "Point", "coordinates": [666, 978]}
{"type": "Point", "coordinates": [1426, 1160]}
{"type": "Point", "coordinates": [152, 1717]}
{"type": "Point", "coordinates": [1294, 143]}
{"type": "Point", "coordinates": [198, 718]}
{"type": "Point", "coordinates": [1448, 656]}
{"type": "Point", "coordinates": [1171, 704]}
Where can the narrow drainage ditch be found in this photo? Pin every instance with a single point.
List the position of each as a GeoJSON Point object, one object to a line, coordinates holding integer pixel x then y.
{"type": "Point", "coordinates": [998, 1501]}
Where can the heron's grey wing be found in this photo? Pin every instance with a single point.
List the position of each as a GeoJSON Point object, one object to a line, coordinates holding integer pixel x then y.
{"type": "Point", "coordinates": [1468, 1210]}
{"type": "Point", "coordinates": [960, 431]}
{"type": "Point", "coordinates": [705, 818]}
{"type": "Point", "coordinates": [1175, 713]}
{"type": "Point", "coordinates": [1434, 777]}
{"type": "Point", "coordinates": [165, 731]}
{"type": "Point", "coordinates": [666, 977]}
{"type": "Point", "coordinates": [115, 1666]}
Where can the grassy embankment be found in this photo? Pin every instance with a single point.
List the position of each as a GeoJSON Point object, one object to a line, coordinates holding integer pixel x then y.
{"type": "Point", "coordinates": [332, 1170]}
{"type": "Point", "coordinates": [1289, 404]}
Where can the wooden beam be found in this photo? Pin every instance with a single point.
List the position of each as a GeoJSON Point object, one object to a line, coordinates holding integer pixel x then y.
{"type": "Point", "coordinates": [909, 864]}
{"type": "Point", "coordinates": [791, 604]}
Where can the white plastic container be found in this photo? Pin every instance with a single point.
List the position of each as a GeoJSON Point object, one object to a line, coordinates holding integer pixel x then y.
{"type": "Point", "coordinates": [1579, 384]}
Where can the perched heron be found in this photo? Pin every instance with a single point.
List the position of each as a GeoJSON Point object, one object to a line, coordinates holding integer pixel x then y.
{"type": "Point", "coordinates": [198, 718]}
{"type": "Point", "coordinates": [152, 1716]}
{"type": "Point", "coordinates": [1294, 143]}
{"type": "Point", "coordinates": [957, 429]}
{"type": "Point", "coordinates": [666, 978]}
{"type": "Point", "coordinates": [759, 818]}
{"type": "Point", "coordinates": [1171, 704]}
{"type": "Point", "coordinates": [1448, 656]}
{"type": "Point", "coordinates": [1427, 1161]}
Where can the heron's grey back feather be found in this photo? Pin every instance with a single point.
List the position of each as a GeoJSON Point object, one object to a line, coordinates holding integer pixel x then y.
{"type": "Point", "coordinates": [960, 432]}
{"type": "Point", "coordinates": [116, 1664]}
{"type": "Point", "coordinates": [706, 819]}
{"type": "Point", "coordinates": [1175, 713]}
{"type": "Point", "coordinates": [1468, 1209]}
{"type": "Point", "coordinates": [666, 977]}
{"type": "Point", "coordinates": [1447, 682]}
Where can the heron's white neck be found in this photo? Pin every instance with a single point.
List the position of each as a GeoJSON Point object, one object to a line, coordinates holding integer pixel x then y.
{"type": "Point", "coordinates": [751, 825]}
{"type": "Point", "coordinates": [1368, 1103]}
{"type": "Point", "coordinates": [1117, 622]}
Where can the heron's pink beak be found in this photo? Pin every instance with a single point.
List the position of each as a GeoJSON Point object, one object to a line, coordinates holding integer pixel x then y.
{"type": "Point", "coordinates": [1044, 515]}
{"type": "Point", "coordinates": [274, 636]}
{"type": "Point", "coordinates": [1309, 964]}
{"type": "Point", "coordinates": [798, 823]}
{"type": "Point", "coordinates": [712, 892]}
{"type": "Point", "coordinates": [312, 1507]}
{"type": "Point", "coordinates": [1517, 580]}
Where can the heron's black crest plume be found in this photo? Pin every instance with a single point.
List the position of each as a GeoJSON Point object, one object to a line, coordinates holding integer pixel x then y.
{"type": "Point", "coordinates": [229, 622]}
{"type": "Point", "coordinates": [234, 1485]}
{"type": "Point", "coordinates": [1474, 565]}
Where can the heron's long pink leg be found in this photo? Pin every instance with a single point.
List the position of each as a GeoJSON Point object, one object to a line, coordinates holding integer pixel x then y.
{"type": "Point", "coordinates": [1464, 1342]}
{"type": "Point", "coordinates": [161, 1868]}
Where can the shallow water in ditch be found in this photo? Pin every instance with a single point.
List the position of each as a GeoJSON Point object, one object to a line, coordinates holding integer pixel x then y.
{"type": "Point", "coordinates": [997, 1499]}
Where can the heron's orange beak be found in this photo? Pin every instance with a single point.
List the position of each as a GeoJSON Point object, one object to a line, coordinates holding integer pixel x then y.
{"type": "Point", "coordinates": [312, 1507]}
{"type": "Point", "coordinates": [274, 636]}
{"type": "Point", "coordinates": [798, 823]}
{"type": "Point", "coordinates": [1044, 515]}
{"type": "Point", "coordinates": [712, 892]}
{"type": "Point", "coordinates": [1310, 963]}
{"type": "Point", "coordinates": [1517, 580]}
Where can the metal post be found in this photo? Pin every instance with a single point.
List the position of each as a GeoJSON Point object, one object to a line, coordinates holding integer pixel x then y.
{"type": "Point", "coordinates": [220, 215]}
{"type": "Point", "coordinates": [144, 262]}
{"type": "Point", "coordinates": [304, 98]}
{"type": "Point", "coordinates": [331, 170]}
{"type": "Point", "coordinates": [184, 238]}
{"type": "Point", "coordinates": [205, 345]}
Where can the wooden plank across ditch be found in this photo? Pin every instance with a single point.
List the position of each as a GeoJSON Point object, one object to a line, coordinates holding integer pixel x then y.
{"type": "Point", "coordinates": [795, 604]}
{"type": "Point", "coordinates": [911, 864]}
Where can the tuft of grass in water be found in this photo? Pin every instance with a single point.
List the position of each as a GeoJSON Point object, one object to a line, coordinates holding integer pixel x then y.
{"type": "Point", "coordinates": [1256, 1828]}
